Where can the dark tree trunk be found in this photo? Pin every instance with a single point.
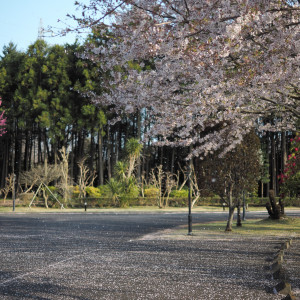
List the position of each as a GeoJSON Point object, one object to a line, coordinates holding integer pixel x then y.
{"type": "Point", "coordinates": [231, 209]}
{"type": "Point", "coordinates": [18, 159]}
{"type": "Point", "coordinates": [273, 164]}
{"type": "Point", "coordinates": [173, 160]}
{"type": "Point", "coordinates": [26, 151]}
{"type": "Point", "coordinates": [276, 211]}
{"type": "Point", "coordinates": [108, 153]}
{"type": "Point", "coordinates": [100, 158]}
{"type": "Point", "coordinates": [161, 156]}
{"type": "Point", "coordinates": [230, 219]}
{"type": "Point", "coordinates": [239, 220]}
{"type": "Point", "coordinates": [5, 162]}
{"type": "Point", "coordinates": [39, 147]}
{"type": "Point", "coordinates": [139, 137]}
{"type": "Point", "coordinates": [92, 153]}
{"type": "Point", "coordinates": [32, 137]}
{"type": "Point", "coordinates": [283, 151]}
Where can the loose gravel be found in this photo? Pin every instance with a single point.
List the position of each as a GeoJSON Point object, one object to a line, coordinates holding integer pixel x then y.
{"type": "Point", "coordinates": [115, 256]}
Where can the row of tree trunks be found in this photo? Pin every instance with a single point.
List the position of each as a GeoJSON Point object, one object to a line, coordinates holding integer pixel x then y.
{"type": "Point", "coordinates": [23, 148]}
{"type": "Point", "coordinates": [276, 144]}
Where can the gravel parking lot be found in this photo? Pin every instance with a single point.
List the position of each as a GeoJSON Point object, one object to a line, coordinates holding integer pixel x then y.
{"type": "Point", "coordinates": [103, 256]}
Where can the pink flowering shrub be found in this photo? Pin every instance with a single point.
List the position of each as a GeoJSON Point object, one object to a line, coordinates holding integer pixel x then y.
{"type": "Point", "coordinates": [290, 178]}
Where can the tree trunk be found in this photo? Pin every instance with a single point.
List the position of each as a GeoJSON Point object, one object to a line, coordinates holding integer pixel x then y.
{"type": "Point", "coordinates": [230, 219]}
{"type": "Point", "coordinates": [276, 211]}
{"type": "Point", "coordinates": [139, 136]}
{"type": "Point", "coordinates": [283, 151]}
{"type": "Point", "coordinates": [39, 147]}
{"type": "Point", "coordinates": [45, 196]}
{"type": "Point", "coordinates": [108, 153]}
{"type": "Point", "coordinates": [92, 153]}
{"type": "Point", "coordinates": [115, 145]}
{"type": "Point", "coordinates": [32, 137]}
{"type": "Point", "coordinates": [18, 157]}
{"type": "Point", "coordinates": [26, 151]}
{"type": "Point", "coordinates": [5, 164]}
{"type": "Point", "coordinates": [239, 220]}
{"type": "Point", "coordinates": [100, 157]}
{"type": "Point", "coordinates": [231, 209]}
{"type": "Point", "coordinates": [273, 164]}
{"type": "Point", "coordinates": [173, 160]}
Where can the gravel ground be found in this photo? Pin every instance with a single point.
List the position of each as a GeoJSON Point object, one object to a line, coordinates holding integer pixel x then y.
{"type": "Point", "coordinates": [106, 256]}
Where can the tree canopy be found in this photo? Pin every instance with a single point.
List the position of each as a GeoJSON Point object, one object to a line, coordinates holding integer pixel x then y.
{"type": "Point", "coordinates": [209, 71]}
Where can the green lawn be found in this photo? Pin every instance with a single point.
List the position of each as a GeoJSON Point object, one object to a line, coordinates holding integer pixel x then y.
{"type": "Point", "coordinates": [288, 225]}
{"type": "Point", "coordinates": [288, 228]}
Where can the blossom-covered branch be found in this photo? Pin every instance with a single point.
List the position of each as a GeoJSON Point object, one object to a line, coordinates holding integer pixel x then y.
{"type": "Point", "coordinates": [226, 63]}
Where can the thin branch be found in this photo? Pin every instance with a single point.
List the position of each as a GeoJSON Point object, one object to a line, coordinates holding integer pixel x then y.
{"type": "Point", "coordinates": [153, 12]}
{"type": "Point", "coordinates": [187, 8]}
{"type": "Point", "coordinates": [175, 10]}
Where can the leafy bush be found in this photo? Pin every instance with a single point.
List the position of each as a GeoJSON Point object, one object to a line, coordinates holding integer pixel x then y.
{"type": "Point", "coordinates": [132, 192]}
{"type": "Point", "coordinates": [179, 194]}
{"type": "Point", "coordinates": [52, 202]}
{"type": "Point", "coordinates": [93, 192]}
{"type": "Point", "coordinates": [104, 191]}
{"type": "Point", "coordinates": [151, 192]}
{"type": "Point", "coordinates": [74, 190]}
{"type": "Point", "coordinates": [129, 192]}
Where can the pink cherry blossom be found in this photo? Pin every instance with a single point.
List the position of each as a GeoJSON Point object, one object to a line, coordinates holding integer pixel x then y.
{"type": "Point", "coordinates": [207, 72]}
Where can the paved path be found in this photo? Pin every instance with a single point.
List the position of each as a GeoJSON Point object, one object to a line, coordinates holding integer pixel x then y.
{"type": "Point", "coordinates": [102, 256]}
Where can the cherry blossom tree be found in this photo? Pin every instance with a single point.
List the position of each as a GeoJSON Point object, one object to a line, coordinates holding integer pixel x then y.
{"type": "Point", "coordinates": [209, 71]}
{"type": "Point", "coordinates": [2, 121]}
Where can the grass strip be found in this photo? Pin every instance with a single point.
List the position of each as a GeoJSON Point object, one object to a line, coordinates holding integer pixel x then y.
{"type": "Point", "coordinates": [287, 227]}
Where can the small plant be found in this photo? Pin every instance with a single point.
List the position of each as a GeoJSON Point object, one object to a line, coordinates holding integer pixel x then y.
{"type": "Point", "coordinates": [114, 187]}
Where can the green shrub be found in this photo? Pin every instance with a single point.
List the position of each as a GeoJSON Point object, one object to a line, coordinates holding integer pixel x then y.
{"type": "Point", "coordinates": [132, 192]}
{"type": "Point", "coordinates": [104, 191]}
{"type": "Point", "coordinates": [93, 192]}
{"type": "Point", "coordinates": [151, 192]}
{"type": "Point", "coordinates": [179, 194]}
{"type": "Point", "coordinates": [129, 194]}
{"type": "Point", "coordinates": [74, 191]}
{"type": "Point", "coordinates": [52, 201]}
